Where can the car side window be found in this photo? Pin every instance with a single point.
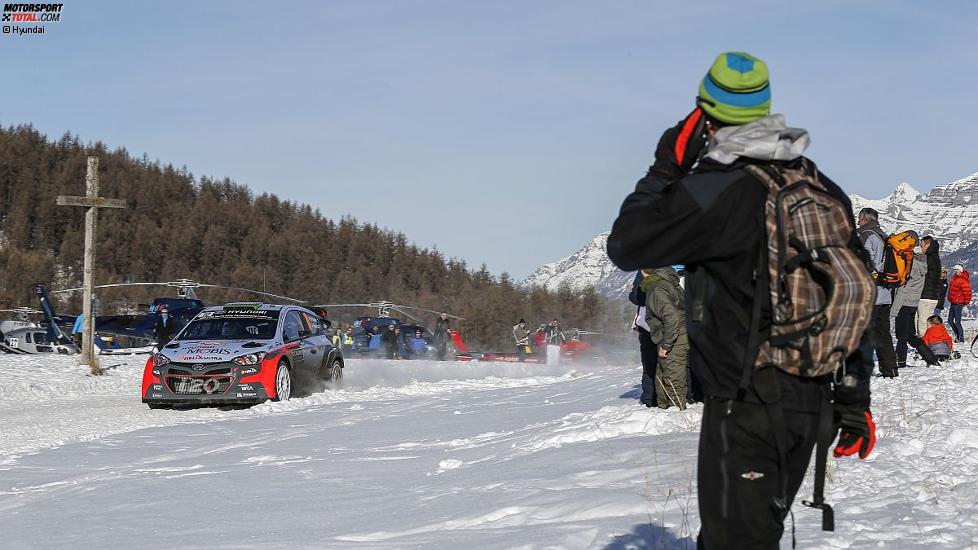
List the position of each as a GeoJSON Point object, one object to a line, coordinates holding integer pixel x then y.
{"type": "Point", "coordinates": [315, 325]}
{"type": "Point", "coordinates": [293, 324]}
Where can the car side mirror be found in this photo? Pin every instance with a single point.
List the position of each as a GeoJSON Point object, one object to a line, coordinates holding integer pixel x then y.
{"type": "Point", "coordinates": [328, 324]}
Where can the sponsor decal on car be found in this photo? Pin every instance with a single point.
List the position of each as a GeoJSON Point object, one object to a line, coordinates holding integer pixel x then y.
{"type": "Point", "coordinates": [200, 358]}
{"type": "Point", "coordinates": [247, 394]}
{"type": "Point", "coordinates": [208, 351]}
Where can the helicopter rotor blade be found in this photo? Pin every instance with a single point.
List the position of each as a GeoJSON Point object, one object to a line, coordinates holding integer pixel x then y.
{"type": "Point", "coordinates": [399, 310]}
{"type": "Point", "coordinates": [114, 285]}
{"type": "Point", "coordinates": [253, 292]}
{"type": "Point", "coordinates": [433, 311]}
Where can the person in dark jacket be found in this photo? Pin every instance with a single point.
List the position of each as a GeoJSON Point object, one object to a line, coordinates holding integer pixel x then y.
{"type": "Point", "coordinates": [712, 219]}
{"type": "Point", "coordinates": [391, 341]}
{"type": "Point", "coordinates": [163, 331]}
{"type": "Point", "coordinates": [931, 293]}
{"type": "Point", "coordinates": [874, 241]}
{"type": "Point", "coordinates": [648, 350]}
{"type": "Point", "coordinates": [441, 336]}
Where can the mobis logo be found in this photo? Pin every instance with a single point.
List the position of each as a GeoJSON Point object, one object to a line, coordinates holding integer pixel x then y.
{"type": "Point", "coordinates": [32, 13]}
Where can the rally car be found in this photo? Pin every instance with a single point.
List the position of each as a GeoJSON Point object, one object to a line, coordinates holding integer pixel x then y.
{"type": "Point", "coordinates": [243, 353]}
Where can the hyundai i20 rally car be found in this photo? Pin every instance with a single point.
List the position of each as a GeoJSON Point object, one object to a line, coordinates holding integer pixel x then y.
{"type": "Point", "coordinates": [242, 353]}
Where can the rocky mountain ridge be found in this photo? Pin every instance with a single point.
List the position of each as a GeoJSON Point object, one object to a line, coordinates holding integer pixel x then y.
{"type": "Point", "coordinates": [949, 212]}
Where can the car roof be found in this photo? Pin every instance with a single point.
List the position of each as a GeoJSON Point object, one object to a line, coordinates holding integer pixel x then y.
{"type": "Point", "coordinates": [250, 305]}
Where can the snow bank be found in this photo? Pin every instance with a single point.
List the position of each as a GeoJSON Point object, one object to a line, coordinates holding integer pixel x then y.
{"type": "Point", "coordinates": [442, 455]}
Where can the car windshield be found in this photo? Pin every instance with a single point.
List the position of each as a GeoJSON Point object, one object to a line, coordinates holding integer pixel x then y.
{"type": "Point", "coordinates": [220, 327]}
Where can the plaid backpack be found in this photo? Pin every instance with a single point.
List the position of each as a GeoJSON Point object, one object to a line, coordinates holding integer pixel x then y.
{"type": "Point", "coordinates": [821, 294]}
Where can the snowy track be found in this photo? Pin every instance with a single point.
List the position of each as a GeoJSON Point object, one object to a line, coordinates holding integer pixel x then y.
{"type": "Point", "coordinates": [439, 455]}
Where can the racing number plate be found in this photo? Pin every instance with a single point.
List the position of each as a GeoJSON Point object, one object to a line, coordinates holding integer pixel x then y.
{"type": "Point", "coordinates": [190, 385]}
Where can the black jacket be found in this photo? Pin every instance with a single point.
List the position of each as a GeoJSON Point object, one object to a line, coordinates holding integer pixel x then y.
{"type": "Point", "coordinates": [713, 222]}
{"type": "Point", "coordinates": [636, 295]}
{"type": "Point", "coordinates": [390, 338]}
{"type": "Point", "coordinates": [441, 329]}
{"type": "Point", "coordinates": [163, 332]}
{"type": "Point", "coordinates": [932, 281]}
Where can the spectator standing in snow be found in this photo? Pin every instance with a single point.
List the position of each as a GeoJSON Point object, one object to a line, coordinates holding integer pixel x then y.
{"type": "Point", "coordinates": [937, 338]}
{"type": "Point", "coordinates": [522, 337]}
{"type": "Point", "coordinates": [665, 315]}
{"type": "Point", "coordinates": [931, 294]}
{"type": "Point", "coordinates": [555, 336]}
{"type": "Point", "coordinates": [905, 302]}
{"type": "Point", "coordinates": [416, 344]}
{"type": "Point", "coordinates": [441, 336]}
{"type": "Point", "coordinates": [959, 295]}
{"type": "Point", "coordinates": [712, 219]}
{"type": "Point", "coordinates": [376, 339]}
{"type": "Point", "coordinates": [648, 350]}
{"type": "Point", "coordinates": [873, 239]}
{"type": "Point", "coordinates": [163, 331]}
{"type": "Point", "coordinates": [540, 337]}
{"type": "Point", "coordinates": [390, 341]}
{"type": "Point", "coordinates": [78, 329]}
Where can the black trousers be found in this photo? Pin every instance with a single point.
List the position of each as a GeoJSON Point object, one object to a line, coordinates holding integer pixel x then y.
{"type": "Point", "coordinates": [738, 474]}
{"type": "Point", "coordinates": [650, 362]}
{"type": "Point", "coordinates": [882, 341]}
{"type": "Point", "coordinates": [906, 333]}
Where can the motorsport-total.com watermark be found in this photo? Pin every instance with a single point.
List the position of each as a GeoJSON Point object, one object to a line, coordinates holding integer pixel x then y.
{"type": "Point", "coordinates": [29, 19]}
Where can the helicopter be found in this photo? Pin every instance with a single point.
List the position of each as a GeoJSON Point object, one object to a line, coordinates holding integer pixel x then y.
{"type": "Point", "coordinates": [364, 325]}
{"type": "Point", "coordinates": [138, 330]}
{"type": "Point", "coordinates": [24, 336]}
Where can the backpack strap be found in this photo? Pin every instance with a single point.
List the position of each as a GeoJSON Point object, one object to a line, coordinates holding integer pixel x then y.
{"type": "Point", "coordinates": [754, 331]}
{"type": "Point", "coordinates": [826, 434]}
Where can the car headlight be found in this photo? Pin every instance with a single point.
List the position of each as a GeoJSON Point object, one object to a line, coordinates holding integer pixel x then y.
{"type": "Point", "coordinates": [160, 360]}
{"type": "Point", "coordinates": [249, 359]}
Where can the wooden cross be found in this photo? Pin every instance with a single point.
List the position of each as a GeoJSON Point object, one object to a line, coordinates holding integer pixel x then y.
{"type": "Point", "coordinates": [92, 202]}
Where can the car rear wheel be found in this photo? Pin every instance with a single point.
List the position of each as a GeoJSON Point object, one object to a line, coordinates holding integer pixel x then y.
{"type": "Point", "coordinates": [283, 382]}
{"type": "Point", "coordinates": [334, 373]}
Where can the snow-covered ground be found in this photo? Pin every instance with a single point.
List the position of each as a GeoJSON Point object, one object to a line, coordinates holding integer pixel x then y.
{"type": "Point", "coordinates": [440, 455]}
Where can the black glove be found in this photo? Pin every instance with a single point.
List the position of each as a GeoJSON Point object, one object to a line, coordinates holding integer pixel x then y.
{"type": "Point", "coordinates": [858, 431]}
{"type": "Point", "coordinates": [680, 146]}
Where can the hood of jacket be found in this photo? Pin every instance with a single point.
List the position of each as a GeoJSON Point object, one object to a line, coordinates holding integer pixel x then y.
{"type": "Point", "coordinates": [667, 274]}
{"type": "Point", "coordinates": [766, 138]}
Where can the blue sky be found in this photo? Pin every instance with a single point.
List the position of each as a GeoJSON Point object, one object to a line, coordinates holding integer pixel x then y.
{"type": "Point", "coordinates": [501, 132]}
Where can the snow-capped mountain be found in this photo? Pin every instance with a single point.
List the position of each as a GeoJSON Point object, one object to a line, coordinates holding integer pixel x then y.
{"type": "Point", "coordinates": [949, 212]}
{"type": "Point", "coordinates": [588, 266]}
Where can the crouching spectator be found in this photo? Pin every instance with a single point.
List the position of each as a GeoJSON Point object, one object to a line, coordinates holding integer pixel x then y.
{"type": "Point", "coordinates": [666, 316]}
{"type": "Point", "coordinates": [937, 338]}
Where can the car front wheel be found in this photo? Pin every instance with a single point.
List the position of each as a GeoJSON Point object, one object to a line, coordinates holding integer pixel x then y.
{"type": "Point", "coordinates": [283, 382]}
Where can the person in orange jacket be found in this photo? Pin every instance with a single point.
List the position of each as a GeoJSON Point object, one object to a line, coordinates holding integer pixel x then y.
{"type": "Point", "coordinates": [937, 338]}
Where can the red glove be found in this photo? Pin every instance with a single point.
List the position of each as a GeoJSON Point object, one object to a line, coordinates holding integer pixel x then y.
{"type": "Point", "coordinates": [679, 147]}
{"type": "Point", "coordinates": [858, 434]}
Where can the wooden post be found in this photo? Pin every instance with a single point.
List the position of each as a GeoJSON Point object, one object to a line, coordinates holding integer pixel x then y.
{"type": "Point", "coordinates": [93, 202]}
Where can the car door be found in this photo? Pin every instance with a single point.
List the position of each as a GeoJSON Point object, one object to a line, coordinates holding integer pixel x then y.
{"type": "Point", "coordinates": [293, 332]}
{"type": "Point", "coordinates": [317, 343]}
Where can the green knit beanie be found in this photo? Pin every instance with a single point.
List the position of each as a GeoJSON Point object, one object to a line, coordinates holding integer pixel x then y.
{"type": "Point", "coordinates": [736, 89]}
